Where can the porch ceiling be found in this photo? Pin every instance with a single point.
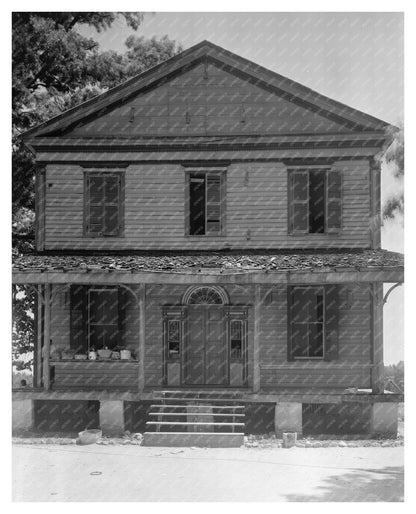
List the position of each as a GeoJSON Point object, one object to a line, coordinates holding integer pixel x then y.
{"type": "Point", "coordinates": [266, 266]}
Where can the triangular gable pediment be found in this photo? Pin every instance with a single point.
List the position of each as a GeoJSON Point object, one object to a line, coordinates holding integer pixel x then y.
{"type": "Point", "coordinates": [207, 91]}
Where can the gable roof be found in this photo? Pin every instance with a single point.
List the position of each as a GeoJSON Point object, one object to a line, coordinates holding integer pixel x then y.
{"type": "Point", "coordinates": [208, 52]}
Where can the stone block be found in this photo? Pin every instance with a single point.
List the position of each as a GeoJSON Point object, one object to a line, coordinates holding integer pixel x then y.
{"type": "Point", "coordinates": [384, 419]}
{"type": "Point", "coordinates": [288, 418]}
{"type": "Point", "coordinates": [112, 417]}
{"type": "Point", "coordinates": [22, 415]}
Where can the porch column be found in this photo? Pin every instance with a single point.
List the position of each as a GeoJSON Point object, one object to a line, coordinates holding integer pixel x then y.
{"type": "Point", "coordinates": [142, 334]}
{"type": "Point", "coordinates": [377, 381]}
{"type": "Point", "coordinates": [256, 338]}
{"type": "Point", "coordinates": [46, 343]}
{"type": "Point", "coordinates": [39, 339]}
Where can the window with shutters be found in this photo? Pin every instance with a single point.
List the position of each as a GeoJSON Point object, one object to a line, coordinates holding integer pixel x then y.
{"type": "Point", "coordinates": [97, 317]}
{"type": "Point", "coordinates": [205, 205]}
{"type": "Point", "coordinates": [314, 201]}
{"type": "Point", "coordinates": [104, 193]}
{"type": "Point", "coordinates": [313, 322]}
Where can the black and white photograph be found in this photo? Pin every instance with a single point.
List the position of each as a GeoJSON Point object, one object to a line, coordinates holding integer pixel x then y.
{"type": "Point", "coordinates": [207, 213]}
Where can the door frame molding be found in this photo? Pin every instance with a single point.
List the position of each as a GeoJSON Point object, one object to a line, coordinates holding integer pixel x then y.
{"type": "Point", "coordinates": [180, 313]}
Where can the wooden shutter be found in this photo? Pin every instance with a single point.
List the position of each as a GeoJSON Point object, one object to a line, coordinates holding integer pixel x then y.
{"type": "Point", "coordinates": [290, 349]}
{"type": "Point", "coordinates": [78, 318]}
{"type": "Point", "coordinates": [123, 302]}
{"type": "Point", "coordinates": [299, 201]}
{"type": "Point", "coordinates": [197, 201]}
{"type": "Point", "coordinates": [103, 204]}
{"type": "Point", "coordinates": [112, 205]}
{"type": "Point", "coordinates": [95, 204]}
{"type": "Point", "coordinates": [333, 201]}
{"type": "Point", "coordinates": [213, 204]}
{"type": "Point", "coordinates": [331, 322]}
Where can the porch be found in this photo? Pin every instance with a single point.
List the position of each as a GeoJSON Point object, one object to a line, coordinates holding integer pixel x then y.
{"type": "Point", "coordinates": [208, 329]}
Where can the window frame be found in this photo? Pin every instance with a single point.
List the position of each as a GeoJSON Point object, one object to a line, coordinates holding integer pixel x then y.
{"type": "Point", "coordinates": [173, 357]}
{"type": "Point", "coordinates": [204, 171]}
{"type": "Point", "coordinates": [243, 330]}
{"type": "Point", "coordinates": [120, 174]}
{"type": "Point", "coordinates": [324, 321]}
{"type": "Point", "coordinates": [88, 324]}
{"type": "Point", "coordinates": [290, 201]}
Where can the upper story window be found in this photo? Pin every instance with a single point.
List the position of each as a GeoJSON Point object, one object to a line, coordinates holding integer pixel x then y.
{"type": "Point", "coordinates": [104, 198]}
{"type": "Point", "coordinates": [206, 202]}
{"type": "Point", "coordinates": [314, 201]}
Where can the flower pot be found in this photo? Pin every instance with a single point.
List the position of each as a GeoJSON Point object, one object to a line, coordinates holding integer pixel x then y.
{"type": "Point", "coordinates": [125, 355]}
{"type": "Point", "coordinates": [104, 354]}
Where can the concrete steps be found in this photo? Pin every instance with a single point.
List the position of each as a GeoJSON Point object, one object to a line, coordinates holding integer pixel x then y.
{"type": "Point", "coordinates": [196, 418]}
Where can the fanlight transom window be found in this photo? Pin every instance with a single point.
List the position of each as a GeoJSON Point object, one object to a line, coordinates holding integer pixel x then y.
{"type": "Point", "coordinates": [205, 295]}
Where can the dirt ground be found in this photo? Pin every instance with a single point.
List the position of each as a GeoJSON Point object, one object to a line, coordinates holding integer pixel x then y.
{"type": "Point", "coordinates": [45, 472]}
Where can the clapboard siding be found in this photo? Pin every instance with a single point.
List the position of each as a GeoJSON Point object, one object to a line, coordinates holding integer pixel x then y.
{"type": "Point", "coordinates": [207, 101]}
{"type": "Point", "coordinates": [96, 375]}
{"type": "Point", "coordinates": [353, 366]}
{"type": "Point", "coordinates": [154, 207]}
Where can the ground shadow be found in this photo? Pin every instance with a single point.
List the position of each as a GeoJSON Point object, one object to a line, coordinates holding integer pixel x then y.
{"type": "Point", "coordinates": [358, 485]}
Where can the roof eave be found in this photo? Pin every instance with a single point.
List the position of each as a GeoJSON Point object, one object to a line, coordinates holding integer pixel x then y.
{"type": "Point", "coordinates": [203, 49]}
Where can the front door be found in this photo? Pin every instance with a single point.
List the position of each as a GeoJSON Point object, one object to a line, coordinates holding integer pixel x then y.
{"type": "Point", "coordinates": [206, 355]}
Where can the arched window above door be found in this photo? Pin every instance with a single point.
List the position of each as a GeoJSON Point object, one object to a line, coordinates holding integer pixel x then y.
{"type": "Point", "coordinates": [205, 295]}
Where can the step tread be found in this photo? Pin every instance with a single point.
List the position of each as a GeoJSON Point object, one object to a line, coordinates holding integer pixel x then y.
{"type": "Point", "coordinates": [215, 434]}
{"type": "Point", "coordinates": [201, 406]}
{"type": "Point", "coordinates": [184, 399]}
{"type": "Point", "coordinates": [193, 423]}
{"type": "Point", "coordinates": [195, 414]}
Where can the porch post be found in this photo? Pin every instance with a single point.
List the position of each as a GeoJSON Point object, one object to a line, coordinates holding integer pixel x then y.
{"type": "Point", "coordinates": [256, 338]}
{"type": "Point", "coordinates": [142, 334]}
{"type": "Point", "coordinates": [46, 344]}
{"type": "Point", "coordinates": [377, 381]}
{"type": "Point", "coordinates": [39, 338]}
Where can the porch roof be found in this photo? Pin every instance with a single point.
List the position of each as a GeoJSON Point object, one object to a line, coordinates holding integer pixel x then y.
{"type": "Point", "coordinates": [387, 266]}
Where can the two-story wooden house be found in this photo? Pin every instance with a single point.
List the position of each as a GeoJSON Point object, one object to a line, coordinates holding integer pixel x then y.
{"type": "Point", "coordinates": [217, 226]}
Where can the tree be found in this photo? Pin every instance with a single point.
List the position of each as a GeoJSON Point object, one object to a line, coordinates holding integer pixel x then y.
{"type": "Point", "coordinates": [54, 69]}
{"type": "Point", "coordinates": [23, 325]}
{"type": "Point", "coordinates": [393, 157]}
{"type": "Point", "coordinates": [394, 376]}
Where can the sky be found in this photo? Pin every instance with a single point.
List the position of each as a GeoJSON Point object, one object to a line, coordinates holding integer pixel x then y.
{"type": "Point", "coordinates": [355, 58]}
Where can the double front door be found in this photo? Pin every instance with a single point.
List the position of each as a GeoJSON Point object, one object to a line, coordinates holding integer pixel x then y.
{"type": "Point", "coordinates": [205, 359]}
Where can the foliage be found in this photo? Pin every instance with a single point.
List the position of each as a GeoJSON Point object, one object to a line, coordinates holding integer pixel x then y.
{"type": "Point", "coordinates": [394, 156]}
{"type": "Point", "coordinates": [23, 325]}
{"type": "Point", "coordinates": [56, 68]}
{"type": "Point", "coordinates": [395, 372]}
